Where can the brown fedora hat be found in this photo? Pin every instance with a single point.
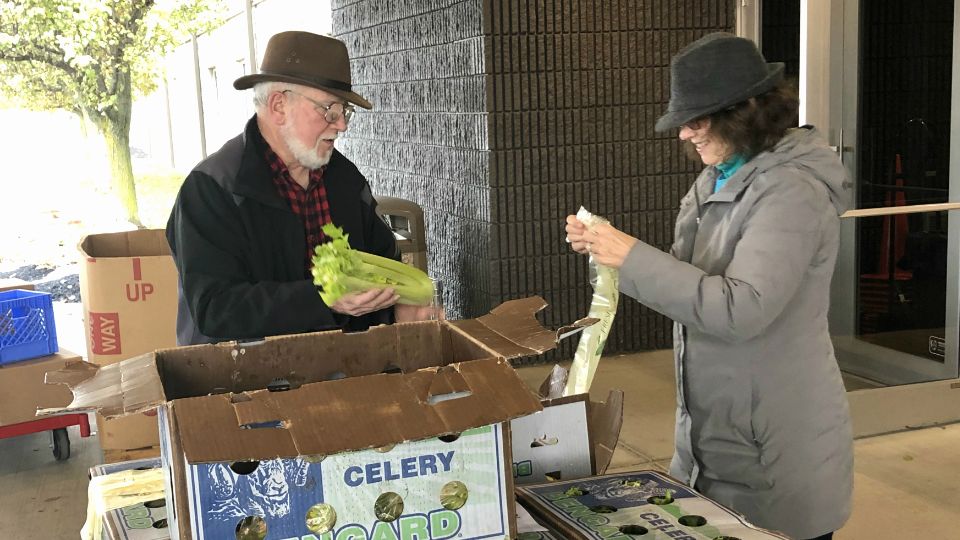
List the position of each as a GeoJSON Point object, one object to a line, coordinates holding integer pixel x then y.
{"type": "Point", "coordinates": [308, 59]}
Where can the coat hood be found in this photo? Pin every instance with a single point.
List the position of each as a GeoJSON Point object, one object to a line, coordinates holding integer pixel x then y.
{"type": "Point", "coordinates": [805, 148]}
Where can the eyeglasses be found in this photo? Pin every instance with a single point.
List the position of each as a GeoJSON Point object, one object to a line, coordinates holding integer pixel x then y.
{"type": "Point", "coordinates": [696, 123]}
{"type": "Point", "coordinates": [331, 113]}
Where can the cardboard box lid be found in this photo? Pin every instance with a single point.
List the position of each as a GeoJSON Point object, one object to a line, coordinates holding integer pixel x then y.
{"type": "Point", "coordinates": [326, 418]}
{"type": "Point", "coordinates": [322, 417]}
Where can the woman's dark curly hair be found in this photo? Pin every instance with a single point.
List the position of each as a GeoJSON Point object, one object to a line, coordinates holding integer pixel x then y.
{"type": "Point", "coordinates": [757, 124]}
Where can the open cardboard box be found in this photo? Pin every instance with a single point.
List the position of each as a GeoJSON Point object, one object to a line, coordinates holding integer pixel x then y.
{"type": "Point", "coordinates": [128, 284]}
{"type": "Point", "coordinates": [284, 434]}
{"type": "Point", "coordinates": [573, 437]}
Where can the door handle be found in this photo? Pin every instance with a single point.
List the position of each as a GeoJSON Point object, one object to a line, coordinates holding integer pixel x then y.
{"type": "Point", "coordinates": [839, 148]}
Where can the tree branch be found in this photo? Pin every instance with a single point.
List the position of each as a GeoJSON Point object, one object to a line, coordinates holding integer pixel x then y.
{"type": "Point", "coordinates": [51, 61]}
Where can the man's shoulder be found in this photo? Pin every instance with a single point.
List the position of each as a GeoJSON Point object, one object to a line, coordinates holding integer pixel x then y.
{"type": "Point", "coordinates": [225, 162]}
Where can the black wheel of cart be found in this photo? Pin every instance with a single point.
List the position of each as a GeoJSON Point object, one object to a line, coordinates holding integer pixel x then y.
{"type": "Point", "coordinates": [61, 444]}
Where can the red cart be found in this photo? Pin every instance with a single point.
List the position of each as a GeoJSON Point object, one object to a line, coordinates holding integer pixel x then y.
{"type": "Point", "coordinates": [58, 428]}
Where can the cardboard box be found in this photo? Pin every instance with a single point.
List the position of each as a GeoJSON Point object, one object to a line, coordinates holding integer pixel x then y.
{"type": "Point", "coordinates": [295, 419]}
{"type": "Point", "coordinates": [118, 456]}
{"type": "Point", "coordinates": [624, 506]}
{"type": "Point", "coordinates": [141, 521]}
{"type": "Point", "coordinates": [573, 437]}
{"type": "Point", "coordinates": [128, 283]}
{"type": "Point", "coordinates": [8, 284]}
{"type": "Point", "coordinates": [22, 389]}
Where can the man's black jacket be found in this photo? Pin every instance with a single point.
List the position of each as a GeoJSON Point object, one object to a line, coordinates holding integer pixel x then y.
{"type": "Point", "coordinates": [239, 248]}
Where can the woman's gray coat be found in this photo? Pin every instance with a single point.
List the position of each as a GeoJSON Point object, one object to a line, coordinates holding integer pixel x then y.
{"type": "Point", "coordinates": [763, 424]}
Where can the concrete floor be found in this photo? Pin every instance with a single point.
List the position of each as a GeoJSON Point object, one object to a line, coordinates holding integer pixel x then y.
{"type": "Point", "coordinates": [907, 484]}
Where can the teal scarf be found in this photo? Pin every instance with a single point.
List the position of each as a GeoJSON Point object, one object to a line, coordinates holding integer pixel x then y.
{"type": "Point", "coordinates": [727, 169]}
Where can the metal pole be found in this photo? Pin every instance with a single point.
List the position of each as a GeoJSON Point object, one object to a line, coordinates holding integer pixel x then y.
{"type": "Point", "coordinates": [196, 78]}
{"type": "Point", "coordinates": [251, 44]}
{"type": "Point", "coordinates": [166, 101]}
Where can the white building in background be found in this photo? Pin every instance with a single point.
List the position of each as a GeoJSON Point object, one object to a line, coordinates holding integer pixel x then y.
{"type": "Point", "coordinates": [195, 108]}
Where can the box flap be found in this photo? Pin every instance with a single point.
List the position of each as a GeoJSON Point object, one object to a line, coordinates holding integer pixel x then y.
{"type": "Point", "coordinates": [356, 413]}
{"type": "Point", "coordinates": [512, 330]}
{"type": "Point", "coordinates": [606, 419]}
{"type": "Point", "coordinates": [117, 389]}
{"type": "Point", "coordinates": [138, 243]}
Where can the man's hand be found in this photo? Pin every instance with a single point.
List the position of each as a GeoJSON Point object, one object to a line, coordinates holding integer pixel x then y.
{"type": "Point", "coordinates": [407, 313]}
{"type": "Point", "coordinates": [357, 304]}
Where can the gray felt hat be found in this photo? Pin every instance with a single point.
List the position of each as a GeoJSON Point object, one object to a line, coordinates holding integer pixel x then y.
{"type": "Point", "coordinates": [713, 73]}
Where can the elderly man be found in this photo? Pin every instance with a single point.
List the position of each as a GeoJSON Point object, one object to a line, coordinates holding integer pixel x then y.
{"type": "Point", "coordinates": [247, 218]}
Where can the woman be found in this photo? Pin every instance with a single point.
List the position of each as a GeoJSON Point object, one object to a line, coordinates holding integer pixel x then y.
{"type": "Point", "coordinates": [762, 417]}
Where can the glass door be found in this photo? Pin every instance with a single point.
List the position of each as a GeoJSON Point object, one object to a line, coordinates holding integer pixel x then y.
{"type": "Point", "coordinates": [888, 99]}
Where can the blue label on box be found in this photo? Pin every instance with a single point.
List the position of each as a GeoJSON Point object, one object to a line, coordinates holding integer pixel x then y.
{"type": "Point", "coordinates": [422, 490]}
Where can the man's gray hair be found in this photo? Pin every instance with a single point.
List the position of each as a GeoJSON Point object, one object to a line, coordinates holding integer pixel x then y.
{"type": "Point", "coordinates": [262, 90]}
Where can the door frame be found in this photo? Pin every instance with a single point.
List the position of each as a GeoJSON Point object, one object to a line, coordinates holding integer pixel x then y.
{"type": "Point", "coordinates": [830, 103]}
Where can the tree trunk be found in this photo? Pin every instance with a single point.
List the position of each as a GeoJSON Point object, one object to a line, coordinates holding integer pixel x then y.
{"type": "Point", "coordinates": [121, 170]}
{"type": "Point", "coordinates": [114, 125]}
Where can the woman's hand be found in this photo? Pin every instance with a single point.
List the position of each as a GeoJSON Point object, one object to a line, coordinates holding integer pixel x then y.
{"type": "Point", "coordinates": [575, 231]}
{"type": "Point", "coordinates": [604, 243]}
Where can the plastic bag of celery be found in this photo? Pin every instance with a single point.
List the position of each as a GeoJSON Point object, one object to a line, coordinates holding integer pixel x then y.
{"type": "Point", "coordinates": [603, 306]}
{"type": "Point", "coordinates": [339, 269]}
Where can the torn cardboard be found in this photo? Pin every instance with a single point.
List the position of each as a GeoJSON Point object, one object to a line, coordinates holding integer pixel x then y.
{"type": "Point", "coordinates": [23, 390]}
{"type": "Point", "coordinates": [336, 397]}
{"type": "Point", "coordinates": [128, 284]}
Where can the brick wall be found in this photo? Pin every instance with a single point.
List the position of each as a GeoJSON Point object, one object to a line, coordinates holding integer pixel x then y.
{"type": "Point", "coordinates": [500, 117]}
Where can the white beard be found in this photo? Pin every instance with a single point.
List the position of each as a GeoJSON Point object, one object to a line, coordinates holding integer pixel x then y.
{"type": "Point", "coordinates": [307, 156]}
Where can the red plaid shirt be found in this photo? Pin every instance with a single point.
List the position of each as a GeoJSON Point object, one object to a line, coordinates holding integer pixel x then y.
{"type": "Point", "coordinates": [309, 204]}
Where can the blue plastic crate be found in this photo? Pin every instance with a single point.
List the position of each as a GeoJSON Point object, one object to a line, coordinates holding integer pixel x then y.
{"type": "Point", "coordinates": [27, 329]}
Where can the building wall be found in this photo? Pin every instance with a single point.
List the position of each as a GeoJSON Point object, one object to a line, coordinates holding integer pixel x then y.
{"type": "Point", "coordinates": [501, 117]}
{"type": "Point", "coordinates": [421, 64]}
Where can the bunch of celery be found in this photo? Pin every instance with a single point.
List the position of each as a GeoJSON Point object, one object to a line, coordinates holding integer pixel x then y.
{"type": "Point", "coordinates": [339, 270]}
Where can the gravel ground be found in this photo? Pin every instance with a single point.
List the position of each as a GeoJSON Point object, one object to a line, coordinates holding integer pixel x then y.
{"type": "Point", "coordinates": [63, 283]}
{"type": "Point", "coordinates": [44, 251]}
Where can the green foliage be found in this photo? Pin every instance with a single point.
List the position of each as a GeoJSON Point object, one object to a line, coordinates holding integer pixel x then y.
{"type": "Point", "coordinates": [77, 54]}
{"type": "Point", "coordinates": [91, 57]}
{"type": "Point", "coordinates": [338, 269]}
{"type": "Point", "coordinates": [156, 192]}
